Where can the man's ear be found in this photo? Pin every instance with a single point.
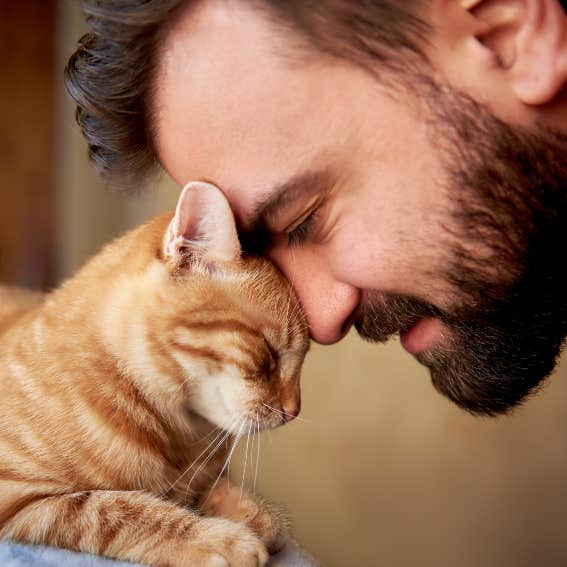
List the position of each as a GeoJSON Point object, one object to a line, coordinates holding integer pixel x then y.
{"type": "Point", "coordinates": [528, 39]}
{"type": "Point", "coordinates": [203, 226]}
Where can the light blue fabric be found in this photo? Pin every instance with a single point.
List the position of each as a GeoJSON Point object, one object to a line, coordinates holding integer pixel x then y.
{"type": "Point", "coordinates": [15, 555]}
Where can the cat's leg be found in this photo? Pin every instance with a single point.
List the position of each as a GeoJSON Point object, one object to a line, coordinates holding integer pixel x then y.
{"type": "Point", "coordinates": [135, 526]}
{"type": "Point", "coordinates": [268, 521]}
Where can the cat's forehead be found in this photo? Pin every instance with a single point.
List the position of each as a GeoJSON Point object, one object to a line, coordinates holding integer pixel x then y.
{"type": "Point", "coordinates": [250, 290]}
{"type": "Point", "coordinates": [266, 299]}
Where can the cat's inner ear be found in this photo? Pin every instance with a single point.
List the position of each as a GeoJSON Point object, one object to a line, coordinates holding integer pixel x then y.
{"type": "Point", "coordinates": [203, 225]}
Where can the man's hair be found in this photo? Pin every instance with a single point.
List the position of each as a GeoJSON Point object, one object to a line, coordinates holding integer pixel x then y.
{"type": "Point", "coordinates": [110, 75]}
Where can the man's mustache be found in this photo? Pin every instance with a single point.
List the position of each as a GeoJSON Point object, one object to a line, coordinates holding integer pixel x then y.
{"type": "Point", "coordinates": [384, 315]}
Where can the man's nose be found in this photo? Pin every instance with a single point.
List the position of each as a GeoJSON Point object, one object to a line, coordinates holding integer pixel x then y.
{"type": "Point", "coordinates": [329, 304]}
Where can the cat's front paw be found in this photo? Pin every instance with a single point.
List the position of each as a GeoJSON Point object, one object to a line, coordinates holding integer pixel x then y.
{"type": "Point", "coordinates": [217, 542]}
{"type": "Point", "coordinates": [271, 525]}
{"type": "Point", "coordinates": [267, 521]}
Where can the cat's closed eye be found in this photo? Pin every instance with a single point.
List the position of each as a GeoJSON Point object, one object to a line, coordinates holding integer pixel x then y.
{"type": "Point", "coordinates": [271, 357]}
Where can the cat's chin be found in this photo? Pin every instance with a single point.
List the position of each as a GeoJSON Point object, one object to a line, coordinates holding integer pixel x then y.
{"type": "Point", "coordinates": [199, 422]}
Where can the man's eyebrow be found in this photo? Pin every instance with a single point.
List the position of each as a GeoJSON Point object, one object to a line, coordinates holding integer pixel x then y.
{"type": "Point", "coordinates": [303, 184]}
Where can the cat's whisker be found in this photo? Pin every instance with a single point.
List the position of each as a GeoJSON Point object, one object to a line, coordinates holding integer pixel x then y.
{"type": "Point", "coordinates": [293, 310]}
{"type": "Point", "coordinates": [227, 461]}
{"type": "Point", "coordinates": [222, 435]}
{"type": "Point", "coordinates": [178, 388]}
{"type": "Point", "coordinates": [257, 450]}
{"type": "Point", "coordinates": [287, 307]}
{"type": "Point", "coordinates": [236, 440]}
{"type": "Point", "coordinates": [212, 432]}
{"type": "Point", "coordinates": [249, 422]}
{"type": "Point", "coordinates": [204, 463]}
{"type": "Point", "coordinates": [285, 413]}
{"type": "Point", "coordinates": [292, 314]}
{"type": "Point", "coordinates": [223, 440]}
{"type": "Point", "coordinates": [219, 434]}
{"type": "Point", "coordinates": [228, 433]}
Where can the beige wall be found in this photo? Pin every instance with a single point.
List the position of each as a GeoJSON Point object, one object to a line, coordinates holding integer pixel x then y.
{"type": "Point", "coordinates": [383, 472]}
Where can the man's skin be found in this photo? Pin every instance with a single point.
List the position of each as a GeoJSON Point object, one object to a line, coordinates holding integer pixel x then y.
{"type": "Point", "coordinates": [361, 162]}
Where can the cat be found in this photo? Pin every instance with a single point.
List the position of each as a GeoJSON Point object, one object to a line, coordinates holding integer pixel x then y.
{"type": "Point", "coordinates": [121, 390]}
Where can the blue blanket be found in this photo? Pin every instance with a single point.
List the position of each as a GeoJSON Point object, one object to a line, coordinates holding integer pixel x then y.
{"type": "Point", "coordinates": [15, 555]}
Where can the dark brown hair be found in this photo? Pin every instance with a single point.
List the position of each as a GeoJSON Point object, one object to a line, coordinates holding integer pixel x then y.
{"type": "Point", "coordinates": [110, 74]}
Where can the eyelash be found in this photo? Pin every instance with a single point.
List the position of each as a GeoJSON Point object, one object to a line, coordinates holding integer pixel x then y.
{"type": "Point", "coordinates": [301, 233]}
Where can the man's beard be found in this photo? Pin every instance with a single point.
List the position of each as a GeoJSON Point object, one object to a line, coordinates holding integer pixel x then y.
{"type": "Point", "coordinates": [509, 199]}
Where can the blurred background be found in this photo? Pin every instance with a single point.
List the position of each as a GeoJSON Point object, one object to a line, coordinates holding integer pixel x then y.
{"type": "Point", "coordinates": [382, 471]}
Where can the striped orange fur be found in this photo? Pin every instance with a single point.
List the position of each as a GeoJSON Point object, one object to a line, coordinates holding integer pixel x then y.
{"type": "Point", "coordinates": [117, 387]}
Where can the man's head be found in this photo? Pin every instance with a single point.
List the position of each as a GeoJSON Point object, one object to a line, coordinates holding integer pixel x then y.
{"type": "Point", "coordinates": [402, 163]}
{"type": "Point", "coordinates": [112, 75]}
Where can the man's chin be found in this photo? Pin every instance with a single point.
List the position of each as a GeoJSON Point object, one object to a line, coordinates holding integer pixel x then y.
{"type": "Point", "coordinates": [477, 392]}
{"type": "Point", "coordinates": [481, 368]}
{"type": "Point", "coordinates": [487, 375]}
{"type": "Point", "coordinates": [487, 361]}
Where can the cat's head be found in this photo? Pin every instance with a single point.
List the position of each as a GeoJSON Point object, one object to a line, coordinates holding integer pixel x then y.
{"type": "Point", "coordinates": [227, 327]}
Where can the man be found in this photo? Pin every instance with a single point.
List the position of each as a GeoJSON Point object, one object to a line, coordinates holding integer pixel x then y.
{"type": "Point", "coordinates": [403, 163]}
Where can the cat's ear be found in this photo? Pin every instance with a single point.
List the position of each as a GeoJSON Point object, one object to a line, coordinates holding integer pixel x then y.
{"type": "Point", "coordinates": [203, 226]}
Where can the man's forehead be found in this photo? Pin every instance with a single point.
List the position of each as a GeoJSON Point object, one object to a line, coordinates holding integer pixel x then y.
{"type": "Point", "coordinates": [264, 130]}
{"type": "Point", "coordinates": [254, 137]}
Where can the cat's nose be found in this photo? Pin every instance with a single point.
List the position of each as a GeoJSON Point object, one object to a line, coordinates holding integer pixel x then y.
{"type": "Point", "coordinates": [290, 410]}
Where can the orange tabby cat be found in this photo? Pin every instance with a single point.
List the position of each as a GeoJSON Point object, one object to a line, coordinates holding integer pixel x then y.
{"type": "Point", "coordinates": [121, 389]}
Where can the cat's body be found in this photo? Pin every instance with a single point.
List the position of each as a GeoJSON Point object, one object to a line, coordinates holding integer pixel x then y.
{"type": "Point", "coordinates": [129, 374]}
